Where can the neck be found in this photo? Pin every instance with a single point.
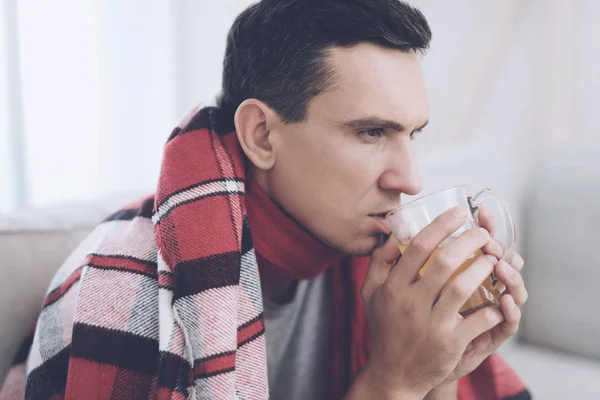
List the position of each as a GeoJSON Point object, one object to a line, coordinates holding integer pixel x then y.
{"type": "Point", "coordinates": [285, 252]}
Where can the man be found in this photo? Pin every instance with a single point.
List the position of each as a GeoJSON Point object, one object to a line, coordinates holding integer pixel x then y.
{"type": "Point", "coordinates": [268, 217]}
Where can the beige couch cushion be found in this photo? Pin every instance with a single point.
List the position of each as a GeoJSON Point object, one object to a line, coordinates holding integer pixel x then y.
{"type": "Point", "coordinates": [562, 240]}
{"type": "Point", "coordinates": [33, 244]}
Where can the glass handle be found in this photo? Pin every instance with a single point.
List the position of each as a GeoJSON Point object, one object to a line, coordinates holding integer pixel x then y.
{"type": "Point", "coordinates": [511, 235]}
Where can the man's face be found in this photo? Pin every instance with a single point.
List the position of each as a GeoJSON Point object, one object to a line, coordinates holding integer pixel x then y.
{"type": "Point", "coordinates": [339, 171]}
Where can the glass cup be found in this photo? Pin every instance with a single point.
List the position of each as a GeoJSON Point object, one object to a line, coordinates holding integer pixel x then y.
{"type": "Point", "coordinates": [407, 221]}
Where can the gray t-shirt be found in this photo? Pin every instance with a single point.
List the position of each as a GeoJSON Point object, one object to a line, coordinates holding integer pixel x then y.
{"type": "Point", "coordinates": [297, 335]}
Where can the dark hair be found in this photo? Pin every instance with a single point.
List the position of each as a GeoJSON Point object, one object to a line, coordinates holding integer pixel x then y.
{"type": "Point", "coordinates": [276, 49]}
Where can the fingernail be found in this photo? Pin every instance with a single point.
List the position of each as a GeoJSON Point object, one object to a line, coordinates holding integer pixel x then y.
{"type": "Point", "coordinates": [495, 245]}
{"type": "Point", "coordinates": [460, 212]}
{"type": "Point", "coordinates": [493, 259]}
{"type": "Point", "coordinates": [509, 270]}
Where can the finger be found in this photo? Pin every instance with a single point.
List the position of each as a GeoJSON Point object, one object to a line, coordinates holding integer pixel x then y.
{"type": "Point", "coordinates": [513, 281]}
{"type": "Point", "coordinates": [388, 253]}
{"type": "Point", "coordinates": [451, 257]}
{"type": "Point", "coordinates": [479, 322]}
{"type": "Point", "coordinates": [510, 326]}
{"type": "Point", "coordinates": [486, 221]}
{"type": "Point", "coordinates": [463, 286]}
{"type": "Point", "coordinates": [517, 262]}
{"type": "Point", "coordinates": [382, 260]}
{"type": "Point", "coordinates": [493, 248]}
{"type": "Point", "coordinates": [511, 311]}
{"type": "Point", "coordinates": [503, 331]}
{"type": "Point", "coordinates": [422, 246]}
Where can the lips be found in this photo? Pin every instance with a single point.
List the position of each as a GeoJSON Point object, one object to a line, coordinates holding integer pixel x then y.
{"type": "Point", "coordinates": [380, 222]}
{"type": "Point", "coordinates": [383, 214]}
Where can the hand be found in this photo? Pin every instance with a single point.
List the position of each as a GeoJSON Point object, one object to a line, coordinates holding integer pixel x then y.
{"type": "Point", "coordinates": [418, 335]}
{"type": "Point", "coordinates": [447, 391]}
{"type": "Point", "coordinates": [512, 299]}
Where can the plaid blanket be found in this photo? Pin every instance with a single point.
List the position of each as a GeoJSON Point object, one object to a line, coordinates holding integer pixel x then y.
{"type": "Point", "coordinates": [163, 299]}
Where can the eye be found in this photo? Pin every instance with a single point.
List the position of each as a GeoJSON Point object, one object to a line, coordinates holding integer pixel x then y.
{"type": "Point", "coordinates": [372, 133]}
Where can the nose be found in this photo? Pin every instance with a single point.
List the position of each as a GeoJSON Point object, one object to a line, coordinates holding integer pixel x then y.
{"type": "Point", "coordinates": [402, 174]}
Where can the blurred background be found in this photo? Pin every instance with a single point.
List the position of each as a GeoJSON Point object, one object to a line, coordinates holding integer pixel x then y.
{"type": "Point", "coordinates": [90, 90]}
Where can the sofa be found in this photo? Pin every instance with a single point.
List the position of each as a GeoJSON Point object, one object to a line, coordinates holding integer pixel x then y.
{"type": "Point", "coordinates": [557, 351]}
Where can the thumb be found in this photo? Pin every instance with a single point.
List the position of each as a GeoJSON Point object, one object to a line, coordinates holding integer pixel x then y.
{"type": "Point", "coordinates": [486, 220]}
{"type": "Point", "coordinates": [382, 261]}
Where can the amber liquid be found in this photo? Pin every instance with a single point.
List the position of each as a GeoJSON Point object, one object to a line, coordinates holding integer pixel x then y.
{"type": "Point", "coordinates": [488, 292]}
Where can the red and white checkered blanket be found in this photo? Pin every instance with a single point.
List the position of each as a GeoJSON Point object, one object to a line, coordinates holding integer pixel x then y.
{"type": "Point", "coordinates": [163, 299]}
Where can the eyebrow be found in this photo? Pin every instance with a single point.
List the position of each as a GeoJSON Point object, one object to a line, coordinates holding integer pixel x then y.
{"type": "Point", "coordinates": [370, 122]}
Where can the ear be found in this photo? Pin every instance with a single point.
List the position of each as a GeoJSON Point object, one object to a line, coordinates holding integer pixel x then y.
{"type": "Point", "coordinates": [253, 120]}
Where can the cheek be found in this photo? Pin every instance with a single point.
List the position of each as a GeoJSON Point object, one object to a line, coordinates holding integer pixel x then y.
{"type": "Point", "coordinates": [347, 189]}
{"type": "Point", "coordinates": [313, 175]}
{"type": "Point", "coordinates": [329, 178]}
{"type": "Point", "coordinates": [358, 174]}
{"type": "Point", "coordinates": [298, 174]}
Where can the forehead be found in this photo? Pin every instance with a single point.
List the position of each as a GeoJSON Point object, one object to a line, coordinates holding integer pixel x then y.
{"type": "Point", "coordinates": [370, 79]}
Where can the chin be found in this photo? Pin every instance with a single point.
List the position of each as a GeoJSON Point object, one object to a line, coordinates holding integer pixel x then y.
{"type": "Point", "coordinates": [364, 246]}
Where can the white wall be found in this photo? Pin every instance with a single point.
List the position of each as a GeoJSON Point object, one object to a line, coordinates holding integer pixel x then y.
{"type": "Point", "coordinates": [482, 72]}
{"type": "Point", "coordinates": [137, 65]}
{"type": "Point", "coordinates": [201, 35]}
{"type": "Point", "coordinates": [59, 86]}
{"type": "Point", "coordinates": [585, 75]}
{"type": "Point", "coordinates": [12, 187]}
{"type": "Point", "coordinates": [99, 95]}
